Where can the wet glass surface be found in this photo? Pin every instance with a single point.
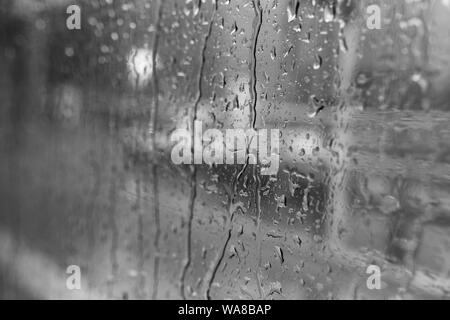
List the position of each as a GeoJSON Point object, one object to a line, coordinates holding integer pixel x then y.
{"type": "Point", "coordinates": [359, 108]}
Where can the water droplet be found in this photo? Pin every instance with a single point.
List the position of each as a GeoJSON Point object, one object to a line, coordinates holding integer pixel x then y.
{"type": "Point", "coordinates": [317, 62]}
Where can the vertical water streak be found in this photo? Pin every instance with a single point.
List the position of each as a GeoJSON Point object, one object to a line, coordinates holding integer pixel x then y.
{"type": "Point", "coordinates": [114, 235]}
{"type": "Point", "coordinates": [140, 240]}
{"type": "Point", "coordinates": [257, 23]}
{"type": "Point", "coordinates": [154, 121]}
{"type": "Point", "coordinates": [193, 187]}
{"type": "Point", "coordinates": [231, 209]}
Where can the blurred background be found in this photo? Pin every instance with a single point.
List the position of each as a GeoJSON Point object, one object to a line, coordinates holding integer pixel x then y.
{"type": "Point", "coordinates": [87, 178]}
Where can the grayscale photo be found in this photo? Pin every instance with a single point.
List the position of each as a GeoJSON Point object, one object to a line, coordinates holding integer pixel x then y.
{"type": "Point", "coordinates": [231, 150]}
